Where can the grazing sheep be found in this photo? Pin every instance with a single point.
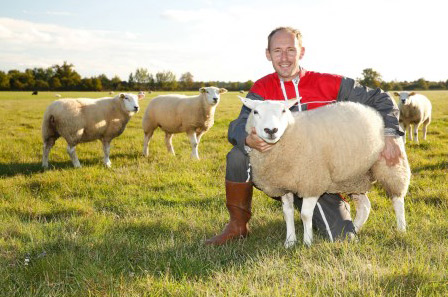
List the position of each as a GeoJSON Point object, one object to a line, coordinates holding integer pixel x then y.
{"type": "Point", "coordinates": [179, 113]}
{"type": "Point", "coordinates": [333, 149]}
{"type": "Point", "coordinates": [415, 109]}
{"type": "Point", "coordinates": [111, 92]}
{"type": "Point", "coordinates": [58, 95]}
{"type": "Point", "coordinates": [84, 120]}
{"type": "Point", "coordinates": [35, 93]}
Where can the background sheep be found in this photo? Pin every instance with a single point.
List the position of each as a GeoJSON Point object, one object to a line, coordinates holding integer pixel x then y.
{"type": "Point", "coordinates": [57, 95]}
{"type": "Point", "coordinates": [179, 113]}
{"type": "Point", "coordinates": [415, 109]}
{"type": "Point", "coordinates": [332, 149]}
{"type": "Point", "coordinates": [83, 120]}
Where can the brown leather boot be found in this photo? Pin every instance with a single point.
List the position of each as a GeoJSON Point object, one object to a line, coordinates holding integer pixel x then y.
{"type": "Point", "coordinates": [239, 201]}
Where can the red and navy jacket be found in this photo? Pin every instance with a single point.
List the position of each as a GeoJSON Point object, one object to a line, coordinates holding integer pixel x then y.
{"type": "Point", "coordinates": [316, 89]}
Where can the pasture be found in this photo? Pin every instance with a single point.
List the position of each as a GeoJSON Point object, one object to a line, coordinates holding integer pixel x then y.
{"type": "Point", "coordinates": [138, 228]}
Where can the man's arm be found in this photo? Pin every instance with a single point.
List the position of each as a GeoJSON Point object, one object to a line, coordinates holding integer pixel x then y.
{"type": "Point", "coordinates": [375, 98]}
{"type": "Point", "coordinates": [385, 105]}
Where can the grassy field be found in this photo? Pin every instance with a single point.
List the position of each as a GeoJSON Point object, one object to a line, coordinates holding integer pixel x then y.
{"type": "Point", "coordinates": [138, 228]}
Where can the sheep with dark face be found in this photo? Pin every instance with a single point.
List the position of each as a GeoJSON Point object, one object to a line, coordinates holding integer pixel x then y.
{"type": "Point", "coordinates": [332, 149]}
{"type": "Point", "coordinates": [84, 120]}
{"type": "Point", "coordinates": [415, 110]}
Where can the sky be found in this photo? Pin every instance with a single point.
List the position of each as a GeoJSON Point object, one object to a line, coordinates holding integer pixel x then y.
{"type": "Point", "coordinates": [225, 40]}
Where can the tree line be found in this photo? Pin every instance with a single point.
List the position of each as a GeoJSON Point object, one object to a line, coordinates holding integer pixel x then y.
{"type": "Point", "coordinates": [372, 79]}
{"type": "Point", "coordinates": [65, 78]}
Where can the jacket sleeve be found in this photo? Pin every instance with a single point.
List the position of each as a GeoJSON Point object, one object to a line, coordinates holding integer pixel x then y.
{"type": "Point", "coordinates": [375, 98]}
{"type": "Point", "coordinates": [237, 129]}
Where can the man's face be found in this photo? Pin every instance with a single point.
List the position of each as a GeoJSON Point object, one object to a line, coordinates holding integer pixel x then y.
{"type": "Point", "coordinates": [285, 53]}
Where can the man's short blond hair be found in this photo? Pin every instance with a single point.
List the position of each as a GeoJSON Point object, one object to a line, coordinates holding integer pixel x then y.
{"type": "Point", "coordinates": [296, 32]}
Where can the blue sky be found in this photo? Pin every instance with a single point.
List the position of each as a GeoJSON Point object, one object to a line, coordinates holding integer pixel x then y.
{"type": "Point", "coordinates": [225, 40]}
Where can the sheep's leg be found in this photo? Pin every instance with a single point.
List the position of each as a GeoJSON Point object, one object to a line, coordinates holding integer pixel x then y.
{"type": "Point", "coordinates": [169, 143]}
{"type": "Point", "coordinates": [308, 205]}
{"type": "Point", "coordinates": [416, 132]}
{"type": "Point", "coordinates": [71, 150]}
{"type": "Point", "coordinates": [288, 213]}
{"type": "Point", "coordinates": [362, 205]}
{"type": "Point", "coordinates": [424, 129]}
{"type": "Point", "coordinates": [146, 141]}
{"type": "Point", "coordinates": [106, 150]}
{"type": "Point", "coordinates": [403, 126]}
{"type": "Point", "coordinates": [194, 145]}
{"type": "Point", "coordinates": [398, 203]}
{"type": "Point", "coordinates": [48, 144]}
{"type": "Point", "coordinates": [410, 132]}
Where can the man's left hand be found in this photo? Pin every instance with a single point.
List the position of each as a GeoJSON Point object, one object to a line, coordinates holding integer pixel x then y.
{"type": "Point", "coordinates": [391, 152]}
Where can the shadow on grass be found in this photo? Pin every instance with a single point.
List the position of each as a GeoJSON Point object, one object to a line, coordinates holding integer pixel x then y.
{"type": "Point", "coordinates": [437, 166]}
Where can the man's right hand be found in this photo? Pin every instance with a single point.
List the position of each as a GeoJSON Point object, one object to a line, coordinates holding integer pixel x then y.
{"type": "Point", "coordinates": [255, 142]}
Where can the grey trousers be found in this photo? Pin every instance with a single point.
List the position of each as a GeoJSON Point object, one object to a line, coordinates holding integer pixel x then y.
{"type": "Point", "coordinates": [331, 216]}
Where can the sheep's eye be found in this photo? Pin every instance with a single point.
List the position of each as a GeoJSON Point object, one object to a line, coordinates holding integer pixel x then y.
{"type": "Point", "coordinates": [255, 112]}
{"type": "Point", "coordinates": [284, 110]}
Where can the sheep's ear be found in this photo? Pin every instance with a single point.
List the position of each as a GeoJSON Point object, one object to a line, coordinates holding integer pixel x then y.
{"type": "Point", "coordinates": [249, 103]}
{"type": "Point", "coordinates": [291, 103]}
{"type": "Point", "coordinates": [122, 96]}
{"type": "Point", "coordinates": [141, 95]}
{"type": "Point", "coordinates": [412, 93]}
{"type": "Point", "coordinates": [202, 90]}
{"type": "Point", "coordinates": [397, 94]}
{"type": "Point", "coordinates": [222, 91]}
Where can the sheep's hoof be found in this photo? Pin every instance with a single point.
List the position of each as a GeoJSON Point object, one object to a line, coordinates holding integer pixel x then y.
{"type": "Point", "coordinates": [307, 242]}
{"type": "Point", "coordinates": [290, 243]}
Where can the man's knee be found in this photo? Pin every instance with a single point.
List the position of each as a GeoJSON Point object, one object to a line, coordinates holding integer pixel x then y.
{"type": "Point", "coordinates": [237, 166]}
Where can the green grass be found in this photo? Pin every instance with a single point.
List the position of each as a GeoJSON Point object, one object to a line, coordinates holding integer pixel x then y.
{"type": "Point", "coordinates": [138, 228]}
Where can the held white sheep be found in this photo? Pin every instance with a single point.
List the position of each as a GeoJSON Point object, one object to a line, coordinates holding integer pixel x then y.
{"type": "Point", "coordinates": [332, 149]}
{"type": "Point", "coordinates": [415, 109]}
{"type": "Point", "coordinates": [84, 120]}
{"type": "Point", "coordinates": [179, 113]}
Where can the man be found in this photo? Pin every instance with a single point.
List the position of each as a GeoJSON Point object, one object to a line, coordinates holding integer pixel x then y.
{"type": "Point", "coordinates": [313, 89]}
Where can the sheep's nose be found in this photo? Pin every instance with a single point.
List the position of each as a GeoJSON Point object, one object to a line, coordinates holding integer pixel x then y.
{"type": "Point", "coordinates": [136, 108]}
{"type": "Point", "coordinates": [270, 131]}
{"type": "Point", "coordinates": [215, 100]}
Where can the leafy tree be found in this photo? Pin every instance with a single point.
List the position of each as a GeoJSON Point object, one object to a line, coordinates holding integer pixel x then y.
{"type": "Point", "coordinates": [131, 81]}
{"type": "Point", "coordinates": [116, 83]}
{"type": "Point", "coordinates": [166, 80]}
{"type": "Point", "coordinates": [370, 78]}
{"type": "Point", "coordinates": [55, 83]}
{"type": "Point", "coordinates": [422, 84]}
{"type": "Point", "coordinates": [4, 81]}
{"type": "Point", "coordinates": [68, 77]}
{"type": "Point", "coordinates": [143, 78]}
{"type": "Point", "coordinates": [105, 82]}
{"type": "Point", "coordinates": [186, 81]}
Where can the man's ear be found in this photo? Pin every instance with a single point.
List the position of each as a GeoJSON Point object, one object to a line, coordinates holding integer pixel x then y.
{"type": "Point", "coordinates": [268, 55]}
{"type": "Point", "coordinates": [302, 53]}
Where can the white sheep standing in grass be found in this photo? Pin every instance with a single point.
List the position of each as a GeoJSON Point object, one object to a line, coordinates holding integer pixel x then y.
{"type": "Point", "coordinates": [333, 149]}
{"type": "Point", "coordinates": [84, 120]}
{"type": "Point", "coordinates": [179, 113]}
{"type": "Point", "coordinates": [415, 110]}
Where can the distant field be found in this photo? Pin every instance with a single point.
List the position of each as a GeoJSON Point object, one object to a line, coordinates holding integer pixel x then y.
{"type": "Point", "coordinates": [138, 228]}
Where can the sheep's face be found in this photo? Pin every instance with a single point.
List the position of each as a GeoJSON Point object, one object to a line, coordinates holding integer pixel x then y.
{"type": "Point", "coordinates": [404, 96]}
{"type": "Point", "coordinates": [270, 118]}
{"type": "Point", "coordinates": [130, 101]}
{"type": "Point", "coordinates": [212, 94]}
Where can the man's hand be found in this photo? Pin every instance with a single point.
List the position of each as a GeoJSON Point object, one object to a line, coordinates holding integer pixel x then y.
{"type": "Point", "coordinates": [255, 142]}
{"type": "Point", "coordinates": [391, 152]}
